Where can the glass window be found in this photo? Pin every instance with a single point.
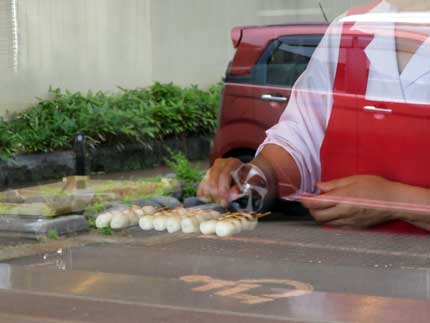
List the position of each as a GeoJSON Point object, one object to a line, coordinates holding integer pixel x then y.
{"type": "Point", "coordinates": [282, 62]}
{"type": "Point", "coordinates": [290, 59]}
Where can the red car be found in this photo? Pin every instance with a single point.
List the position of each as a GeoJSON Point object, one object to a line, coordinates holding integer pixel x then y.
{"type": "Point", "coordinates": [267, 63]}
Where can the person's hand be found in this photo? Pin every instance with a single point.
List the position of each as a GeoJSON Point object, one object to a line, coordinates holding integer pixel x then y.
{"type": "Point", "coordinates": [350, 202]}
{"type": "Point", "coordinates": [217, 184]}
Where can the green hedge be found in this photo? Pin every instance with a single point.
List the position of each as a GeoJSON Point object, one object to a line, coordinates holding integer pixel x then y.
{"type": "Point", "coordinates": [130, 116]}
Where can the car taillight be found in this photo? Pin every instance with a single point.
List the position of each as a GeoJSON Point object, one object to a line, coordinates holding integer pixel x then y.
{"type": "Point", "coordinates": [236, 36]}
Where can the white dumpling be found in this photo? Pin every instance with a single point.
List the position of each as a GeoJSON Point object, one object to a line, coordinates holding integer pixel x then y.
{"type": "Point", "coordinates": [190, 225]}
{"type": "Point", "coordinates": [138, 211]}
{"type": "Point", "coordinates": [149, 210]}
{"type": "Point", "coordinates": [238, 225]}
{"type": "Point", "coordinates": [146, 222]}
{"type": "Point", "coordinates": [208, 227]}
{"type": "Point", "coordinates": [120, 220]}
{"type": "Point", "coordinates": [173, 224]}
{"type": "Point", "coordinates": [251, 225]}
{"type": "Point", "coordinates": [160, 222]}
{"type": "Point", "coordinates": [103, 220]}
{"type": "Point", "coordinates": [225, 228]}
{"type": "Point", "coordinates": [132, 217]}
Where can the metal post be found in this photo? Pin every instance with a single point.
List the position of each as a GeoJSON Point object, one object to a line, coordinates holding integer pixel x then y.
{"type": "Point", "coordinates": [80, 153]}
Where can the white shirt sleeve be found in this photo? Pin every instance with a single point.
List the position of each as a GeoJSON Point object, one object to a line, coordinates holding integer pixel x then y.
{"type": "Point", "coordinates": [302, 126]}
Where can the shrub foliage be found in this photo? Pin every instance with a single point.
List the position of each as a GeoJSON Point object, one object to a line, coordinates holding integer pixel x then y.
{"type": "Point", "coordinates": [185, 171]}
{"type": "Point", "coordinates": [129, 116]}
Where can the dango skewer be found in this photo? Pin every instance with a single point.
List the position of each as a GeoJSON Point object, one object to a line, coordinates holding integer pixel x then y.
{"type": "Point", "coordinates": [231, 224]}
{"type": "Point", "coordinates": [192, 223]}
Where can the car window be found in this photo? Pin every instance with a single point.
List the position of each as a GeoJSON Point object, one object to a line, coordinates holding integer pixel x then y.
{"type": "Point", "coordinates": [281, 63]}
{"type": "Point", "coordinates": [285, 60]}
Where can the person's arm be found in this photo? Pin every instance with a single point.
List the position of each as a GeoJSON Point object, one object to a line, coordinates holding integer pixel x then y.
{"type": "Point", "coordinates": [302, 126]}
{"type": "Point", "coordinates": [276, 164]}
{"type": "Point", "coordinates": [290, 153]}
{"type": "Point", "coordinates": [279, 167]}
{"type": "Point", "coordinates": [363, 201]}
{"type": "Point", "coordinates": [416, 197]}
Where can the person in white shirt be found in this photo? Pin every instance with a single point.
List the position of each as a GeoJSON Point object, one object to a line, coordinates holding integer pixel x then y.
{"type": "Point", "coordinates": [399, 72]}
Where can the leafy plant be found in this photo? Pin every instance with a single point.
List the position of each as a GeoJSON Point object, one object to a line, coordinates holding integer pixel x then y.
{"type": "Point", "coordinates": [91, 222]}
{"type": "Point", "coordinates": [129, 116]}
{"type": "Point", "coordinates": [106, 231]}
{"type": "Point", "coordinates": [185, 171]}
{"type": "Point", "coordinates": [53, 234]}
{"type": "Point", "coordinates": [95, 208]}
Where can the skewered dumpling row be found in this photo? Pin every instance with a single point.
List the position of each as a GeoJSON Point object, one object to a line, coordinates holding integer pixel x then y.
{"type": "Point", "coordinates": [123, 218]}
{"type": "Point", "coordinates": [192, 220]}
{"type": "Point", "coordinates": [179, 219]}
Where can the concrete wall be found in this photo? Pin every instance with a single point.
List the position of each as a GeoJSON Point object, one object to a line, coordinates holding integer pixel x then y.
{"type": "Point", "coordinates": [8, 36]}
{"type": "Point", "coordinates": [191, 38]}
{"type": "Point", "coordinates": [101, 44]}
{"type": "Point", "coordinates": [78, 45]}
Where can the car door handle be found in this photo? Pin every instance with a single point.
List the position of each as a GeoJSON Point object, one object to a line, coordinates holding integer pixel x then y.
{"type": "Point", "coordinates": [370, 108]}
{"type": "Point", "coordinates": [272, 98]}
